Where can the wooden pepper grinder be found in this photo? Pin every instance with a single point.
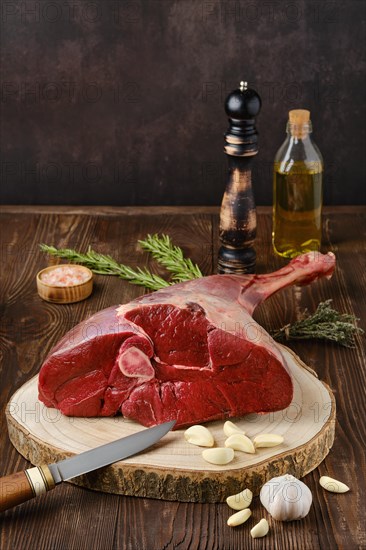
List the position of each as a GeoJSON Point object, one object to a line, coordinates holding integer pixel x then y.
{"type": "Point", "coordinates": [238, 220]}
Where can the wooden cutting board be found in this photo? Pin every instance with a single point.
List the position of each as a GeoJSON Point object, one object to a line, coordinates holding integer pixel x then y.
{"type": "Point", "coordinates": [173, 469]}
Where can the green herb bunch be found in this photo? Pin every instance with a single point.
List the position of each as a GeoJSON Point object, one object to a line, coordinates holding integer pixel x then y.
{"type": "Point", "coordinates": [162, 249]}
{"type": "Point", "coordinates": [325, 324]}
{"type": "Point", "coordinates": [171, 257]}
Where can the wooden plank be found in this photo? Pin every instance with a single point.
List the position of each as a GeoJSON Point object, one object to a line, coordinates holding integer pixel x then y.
{"type": "Point", "coordinates": [76, 518]}
{"type": "Point", "coordinates": [152, 210]}
{"type": "Point", "coordinates": [159, 211]}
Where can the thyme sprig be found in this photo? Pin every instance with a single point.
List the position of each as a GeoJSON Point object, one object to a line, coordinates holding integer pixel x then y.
{"type": "Point", "coordinates": [171, 257]}
{"type": "Point", "coordinates": [325, 324]}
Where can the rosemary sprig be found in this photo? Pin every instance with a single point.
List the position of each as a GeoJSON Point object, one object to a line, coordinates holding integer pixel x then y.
{"type": "Point", "coordinates": [325, 324]}
{"type": "Point", "coordinates": [171, 257]}
{"type": "Point", "coordinates": [162, 250]}
{"type": "Point", "coordinates": [106, 265]}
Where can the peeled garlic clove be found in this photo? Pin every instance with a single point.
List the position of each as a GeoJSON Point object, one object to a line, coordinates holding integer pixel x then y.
{"type": "Point", "coordinates": [241, 500]}
{"type": "Point", "coordinates": [230, 428]}
{"type": "Point", "coordinates": [218, 455]}
{"type": "Point", "coordinates": [260, 530]}
{"type": "Point", "coordinates": [240, 442]}
{"type": "Point", "coordinates": [333, 485]}
{"type": "Point", "coordinates": [239, 517]}
{"type": "Point", "coordinates": [267, 440]}
{"type": "Point", "coordinates": [199, 435]}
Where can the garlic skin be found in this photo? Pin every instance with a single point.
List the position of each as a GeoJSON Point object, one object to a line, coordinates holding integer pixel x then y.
{"type": "Point", "coordinates": [286, 498]}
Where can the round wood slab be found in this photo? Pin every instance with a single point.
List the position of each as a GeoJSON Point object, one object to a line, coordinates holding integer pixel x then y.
{"type": "Point", "coordinates": [174, 469]}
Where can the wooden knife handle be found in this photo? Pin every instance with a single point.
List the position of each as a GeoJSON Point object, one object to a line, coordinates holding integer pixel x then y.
{"type": "Point", "coordinates": [23, 486]}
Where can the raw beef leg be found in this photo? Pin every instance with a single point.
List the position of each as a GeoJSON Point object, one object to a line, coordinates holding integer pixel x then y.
{"type": "Point", "coordinates": [190, 352]}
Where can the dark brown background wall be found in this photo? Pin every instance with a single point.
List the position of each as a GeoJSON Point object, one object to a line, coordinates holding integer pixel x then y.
{"type": "Point", "coordinates": [121, 101]}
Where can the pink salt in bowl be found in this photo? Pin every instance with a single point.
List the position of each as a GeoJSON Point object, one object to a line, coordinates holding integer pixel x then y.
{"type": "Point", "coordinates": [65, 283]}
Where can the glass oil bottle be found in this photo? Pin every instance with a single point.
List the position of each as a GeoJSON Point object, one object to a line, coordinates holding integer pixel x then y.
{"type": "Point", "coordinates": [297, 190]}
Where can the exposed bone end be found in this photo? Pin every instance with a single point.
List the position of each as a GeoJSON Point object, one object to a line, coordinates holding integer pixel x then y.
{"type": "Point", "coordinates": [133, 363]}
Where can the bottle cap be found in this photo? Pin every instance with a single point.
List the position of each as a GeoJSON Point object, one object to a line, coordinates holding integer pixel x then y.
{"type": "Point", "coordinates": [299, 116]}
{"type": "Point", "coordinates": [299, 124]}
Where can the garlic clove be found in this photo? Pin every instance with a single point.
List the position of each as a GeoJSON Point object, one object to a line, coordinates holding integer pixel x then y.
{"type": "Point", "coordinates": [218, 455]}
{"type": "Point", "coordinates": [260, 530]}
{"type": "Point", "coordinates": [230, 428]}
{"type": "Point", "coordinates": [240, 442]}
{"type": "Point", "coordinates": [240, 500]}
{"type": "Point", "coordinates": [333, 485]}
{"type": "Point", "coordinates": [239, 518]}
{"type": "Point", "coordinates": [199, 435]}
{"type": "Point", "coordinates": [267, 440]}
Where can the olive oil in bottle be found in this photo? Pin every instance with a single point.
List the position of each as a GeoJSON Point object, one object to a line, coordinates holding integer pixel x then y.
{"type": "Point", "coordinates": [297, 190]}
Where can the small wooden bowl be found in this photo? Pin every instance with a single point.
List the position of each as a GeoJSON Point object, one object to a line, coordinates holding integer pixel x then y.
{"type": "Point", "coordinates": [65, 294]}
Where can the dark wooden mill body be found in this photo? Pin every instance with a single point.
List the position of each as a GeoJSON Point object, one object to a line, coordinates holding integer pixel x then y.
{"type": "Point", "coordinates": [238, 220]}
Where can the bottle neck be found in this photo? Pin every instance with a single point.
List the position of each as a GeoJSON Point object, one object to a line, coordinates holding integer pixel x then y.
{"type": "Point", "coordinates": [299, 131]}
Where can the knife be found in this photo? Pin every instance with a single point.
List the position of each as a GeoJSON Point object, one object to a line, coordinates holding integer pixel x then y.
{"type": "Point", "coordinates": [22, 486]}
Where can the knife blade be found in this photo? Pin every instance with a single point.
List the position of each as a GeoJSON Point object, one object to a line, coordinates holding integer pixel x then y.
{"type": "Point", "coordinates": [22, 486]}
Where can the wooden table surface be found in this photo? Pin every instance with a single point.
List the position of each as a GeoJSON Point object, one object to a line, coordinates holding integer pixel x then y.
{"type": "Point", "coordinates": [74, 518]}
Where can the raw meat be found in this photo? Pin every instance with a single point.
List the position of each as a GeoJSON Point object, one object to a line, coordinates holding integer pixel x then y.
{"type": "Point", "coordinates": [190, 352]}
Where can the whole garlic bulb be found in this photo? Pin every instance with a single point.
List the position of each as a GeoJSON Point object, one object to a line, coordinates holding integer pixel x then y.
{"type": "Point", "coordinates": [286, 498]}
